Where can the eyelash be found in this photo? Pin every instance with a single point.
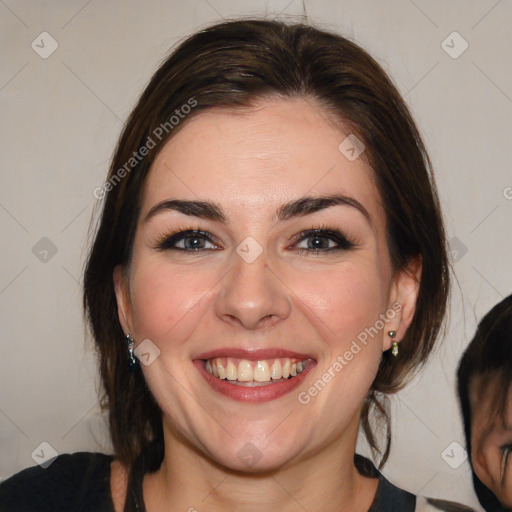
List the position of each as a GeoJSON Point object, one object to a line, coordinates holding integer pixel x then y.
{"type": "Point", "coordinates": [167, 241]}
{"type": "Point", "coordinates": [505, 452]}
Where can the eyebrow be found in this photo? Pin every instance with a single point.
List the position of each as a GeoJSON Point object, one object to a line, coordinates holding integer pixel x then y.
{"type": "Point", "coordinates": [296, 208]}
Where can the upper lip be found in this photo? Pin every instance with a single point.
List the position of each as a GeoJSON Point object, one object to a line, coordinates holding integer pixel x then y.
{"type": "Point", "coordinates": [253, 355]}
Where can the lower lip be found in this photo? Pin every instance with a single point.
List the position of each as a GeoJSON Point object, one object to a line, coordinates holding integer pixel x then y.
{"type": "Point", "coordinates": [256, 394]}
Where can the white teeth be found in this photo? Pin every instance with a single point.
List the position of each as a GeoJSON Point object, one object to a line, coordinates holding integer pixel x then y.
{"type": "Point", "coordinates": [286, 369]}
{"type": "Point", "coordinates": [276, 370]}
{"type": "Point", "coordinates": [231, 372]}
{"type": "Point", "coordinates": [261, 372]}
{"type": "Point", "coordinates": [245, 371]}
{"type": "Point", "coordinates": [220, 369]}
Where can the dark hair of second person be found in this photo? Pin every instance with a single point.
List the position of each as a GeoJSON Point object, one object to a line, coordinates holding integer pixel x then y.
{"type": "Point", "coordinates": [485, 394]}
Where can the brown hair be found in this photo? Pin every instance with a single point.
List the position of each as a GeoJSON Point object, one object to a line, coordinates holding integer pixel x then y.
{"type": "Point", "coordinates": [232, 65]}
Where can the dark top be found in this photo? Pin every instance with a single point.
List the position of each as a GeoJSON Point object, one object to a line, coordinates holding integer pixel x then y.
{"type": "Point", "coordinates": [80, 482]}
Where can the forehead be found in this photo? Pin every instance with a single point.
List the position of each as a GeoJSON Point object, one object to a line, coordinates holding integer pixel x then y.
{"type": "Point", "coordinates": [484, 391]}
{"type": "Point", "coordinates": [280, 149]}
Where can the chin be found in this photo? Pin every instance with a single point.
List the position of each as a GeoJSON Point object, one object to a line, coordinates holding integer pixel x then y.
{"type": "Point", "coordinates": [257, 455]}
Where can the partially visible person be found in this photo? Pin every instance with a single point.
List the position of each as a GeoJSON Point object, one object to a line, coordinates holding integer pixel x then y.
{"type": "Point", "coordinates": [485, 392]}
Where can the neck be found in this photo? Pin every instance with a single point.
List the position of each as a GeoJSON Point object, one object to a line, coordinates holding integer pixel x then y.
{"type": "Point", "coordinates": [326, 480]}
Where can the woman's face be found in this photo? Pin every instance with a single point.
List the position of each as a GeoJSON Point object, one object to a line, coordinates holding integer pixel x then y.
{"type": "Point", "coordinates": [491, 441]}
{"type": "Point", "coordinates": [256, 291]}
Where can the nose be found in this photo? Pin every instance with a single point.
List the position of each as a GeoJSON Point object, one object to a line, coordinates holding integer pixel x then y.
{"type": "Point", "coordinates": [252, 295]}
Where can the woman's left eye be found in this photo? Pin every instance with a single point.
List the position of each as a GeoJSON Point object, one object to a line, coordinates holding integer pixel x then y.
{"type": "Point", "coordinates": [323, 240]}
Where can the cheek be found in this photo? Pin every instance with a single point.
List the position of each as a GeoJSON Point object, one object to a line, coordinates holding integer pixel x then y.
{"type": "Point", "coordinates": [348, 300]}
{"type": "Point", "coordinates": [164, 296]}
{"type": "Point", "coordinates": [505, 493]}
{"type": "Point", "coordinates": [346, 308]}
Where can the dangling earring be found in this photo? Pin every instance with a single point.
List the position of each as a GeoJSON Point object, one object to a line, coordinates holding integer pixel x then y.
{"type": "Point", "coordinates": [394, 350]}
{"type": "Point", "coordinates": [130, 342]}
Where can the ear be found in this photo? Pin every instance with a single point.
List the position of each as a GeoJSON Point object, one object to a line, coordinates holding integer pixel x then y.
{"type": "Point", "coordinates": [480, 466]}
{"type": "Point", "coordinates": [479, 421]}
{"type": "Point", "coordinates": [122, 290]}
{"type": "Point", "coordinates": [403, 295]}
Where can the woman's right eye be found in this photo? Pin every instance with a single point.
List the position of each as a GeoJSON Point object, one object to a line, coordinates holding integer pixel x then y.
{"type": "Point", "coordinates": [190, 240]}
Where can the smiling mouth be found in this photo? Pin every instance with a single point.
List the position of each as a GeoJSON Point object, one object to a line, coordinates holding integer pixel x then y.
{"type": "Point", "coordinates": [264, 372]}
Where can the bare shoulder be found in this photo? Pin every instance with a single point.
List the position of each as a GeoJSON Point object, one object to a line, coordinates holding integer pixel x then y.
{"type": "Point", "coordinates": [118, 484]}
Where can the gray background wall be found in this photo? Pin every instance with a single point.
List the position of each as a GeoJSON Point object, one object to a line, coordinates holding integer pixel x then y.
{"type": "Point", "coordinates": [61, 117]}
